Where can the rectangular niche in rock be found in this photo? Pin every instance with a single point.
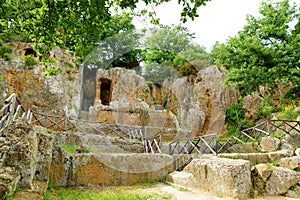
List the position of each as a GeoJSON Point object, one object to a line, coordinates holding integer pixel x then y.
{"type": "Point", "coordinates": [105, 91]}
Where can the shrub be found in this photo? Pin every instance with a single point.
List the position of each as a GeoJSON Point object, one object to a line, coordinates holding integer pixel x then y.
{"type": "Point", "coordinates": [30, 61]}
{"type": "Point", "coordinates": [266, 108]}
{"type": "Point", "coordinates": [289, 112]}
{"type": "Point", "coordinates": [6, 52]}
{"type": "Point", "coordinates": [235, 115]}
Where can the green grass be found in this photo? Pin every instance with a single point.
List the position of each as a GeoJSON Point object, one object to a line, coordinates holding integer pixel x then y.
{"type": "Point", "coordinates": [118, 193]}
{"type": "Point", "coordinates": [70, 148]}
{"type": "Point", "coordinates": [278, 134]}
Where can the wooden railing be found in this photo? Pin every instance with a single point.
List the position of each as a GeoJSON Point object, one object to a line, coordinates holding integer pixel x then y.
{"type": "Point", "coordinates": [11, 111]}
{"type": "Point", "coordinates": [255, 133]}
{"type": "Point", "coordinates": [199, 144]}
{"type": "Point", "coordinates": [151, 137]}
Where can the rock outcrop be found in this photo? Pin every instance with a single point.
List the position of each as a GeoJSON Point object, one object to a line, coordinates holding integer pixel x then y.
{"type": "Point", "coordinates": [191, 105]}
{"type": "Point", "coordinates": [34, 90]}
{"type": "Point", "coordinates": [221, 176]}
{"type": "Point", "coordinates": [270, 144]}
{"type": "Point", "coordinates": [274, 180]}
{"type": "Point", "coordinates": [27, 156]}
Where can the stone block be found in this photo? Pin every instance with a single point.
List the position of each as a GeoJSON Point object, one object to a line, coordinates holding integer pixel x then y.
{"type": "Point", "coordinates": [256, 158]}
{"type": "Point", "coordinates": [290, 162]}
{"type": "Point", "coordinates": [269, 144]}
{"type": "Point", "coordinates": [295, 193]}
{"type": "Point", "coordinates": [118, 169]}
{"type": "Point", "coordinates": [182, 178]}
{"type": "Point", "coordinates": [263, 171]}
{"type": "Point", "coordinates": [281, 180]}
{"type": "Point", "coordinates": [222, 176]}
{"type": "Point", "coordinates": [44, 154]}
{"type": "Point", "coordinates": [60, 166]}
{"type": "Point", "coordinates": [9, 179]}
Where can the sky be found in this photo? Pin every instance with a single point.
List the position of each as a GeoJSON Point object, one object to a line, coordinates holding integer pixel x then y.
{"type": "Point", "coordinates": [217, 21]}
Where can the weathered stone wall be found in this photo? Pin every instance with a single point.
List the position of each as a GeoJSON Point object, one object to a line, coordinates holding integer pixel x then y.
{"type": "Point", "coordinates": [118, 169]}
{"type": "Point", "coordinates": [196, 105]}
{"type": "Point", "coordinates": [30, 152]}
{"type": "Point", "coordinates": [59, 93]}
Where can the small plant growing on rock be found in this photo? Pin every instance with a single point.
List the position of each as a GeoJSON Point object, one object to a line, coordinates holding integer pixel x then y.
{"type": "Point", "coordinates": [6, 52]}
{"type": "Point", "coordinates": [30, 61]}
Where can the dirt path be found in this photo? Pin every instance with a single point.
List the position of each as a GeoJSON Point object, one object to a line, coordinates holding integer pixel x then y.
{"type": "Point", "coordinates": [179, 193]}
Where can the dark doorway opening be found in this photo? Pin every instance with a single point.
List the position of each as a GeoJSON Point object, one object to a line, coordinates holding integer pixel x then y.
{"type": "Point", "coordinates": [29, 51]}
{"type": "Point", "coordinates": [105, 91]}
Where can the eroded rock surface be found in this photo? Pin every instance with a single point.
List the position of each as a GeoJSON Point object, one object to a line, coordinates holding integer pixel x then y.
{"type": "Point", "coordinates": [225, 177]}
{"type": "Point", "coordinates": [274, 180]}
{"type": "Point", "coordinates": [118, 169]}
{"type": "Point", "coordinates": [9, 179]}
{"type": "Point", "coordinates": [291, 162]}
{"type": "Point", "coordinates": [281, 180]}
{"type": "Point", "coordinates": [270, 143]}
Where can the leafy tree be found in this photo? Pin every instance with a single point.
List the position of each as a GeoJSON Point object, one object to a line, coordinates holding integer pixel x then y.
{"type": "Point", "coordinates": [170, 49]}
{"type": "Point", "coordinates": [266, 52]}
{"type": "Point", "coordinates": [77, 25]}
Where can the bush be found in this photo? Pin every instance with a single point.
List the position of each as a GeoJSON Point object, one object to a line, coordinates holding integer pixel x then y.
{"type": "Point", "coordinates": [266, 108]}
{"type": "Point", "coordinates": [6, 52]}
{"type": "Point", "coordinates": [235, 115]}
{"type": "Point", "coordinates": [289, 112]}
{"type": "Point", "coordinates": [30, 61]}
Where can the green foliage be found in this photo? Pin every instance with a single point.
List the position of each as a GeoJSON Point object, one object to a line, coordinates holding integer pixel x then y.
{"type": "Point", "coordinates": [30, 61]}
{"type": "Point", "coordinates": [266, 108]}
{"type": "Point", "coordinates": [289, 112]}
{"type": "Point", "coordinates": [70, 148]}
{"type": "Point", "coordinates": [266, 52]}
{"type": "Point", "coordinates": [53, 71]}
{"type": "Point", "coordinates": [170, 53]}
{"type": "Point", "coordinates": [78, 26]}
{"type": "Point", "coordinates": [276, 163]}
{"type": "Point", "coordinates": [235, 115]}
{"type": "Point", "coordinates": [251, 192]}
{"type": "Point", "coordinates": [270, 167]}
{"type": "Point", "coordinates": [6, 52]}
{"type": "Point", "coordinates": [293, 187]}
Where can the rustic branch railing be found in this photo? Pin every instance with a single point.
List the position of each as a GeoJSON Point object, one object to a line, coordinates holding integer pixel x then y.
{"type": "Point", "coordinates": [11, 111]}
{"type": "Point", "coordinates": [200, 144]}
{"type": "Point", "coordinates": [260, 130]}
{"type": "Point", "coordinates": [150, 136]}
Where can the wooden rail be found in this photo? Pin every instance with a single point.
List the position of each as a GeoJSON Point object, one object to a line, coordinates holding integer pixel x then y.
{"type": "Point", "coordinates": [255, 133]}
{"type": "Point", "coordinates": [200, 144]}
{"type": "Point", "coordinates": [11, 111]}
{"type": "Point", "coordinates": [150, 136]}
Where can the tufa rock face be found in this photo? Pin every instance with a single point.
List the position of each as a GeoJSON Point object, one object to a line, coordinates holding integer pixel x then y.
{"type": "Point", "coordinates": [251, 105]}
{"type": "Point", "coordinates": [60, 165]}
{"type": "Point", "coordinates": [30, 152]}
{"type": "Point", "coordinates": [35, 90]}
{"type": "Point", "coordinates": [193, 105]}
{"type": "Point", "coordinates": [9, 179]}
{"type": "Point", "coordinates": [22, 152]}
